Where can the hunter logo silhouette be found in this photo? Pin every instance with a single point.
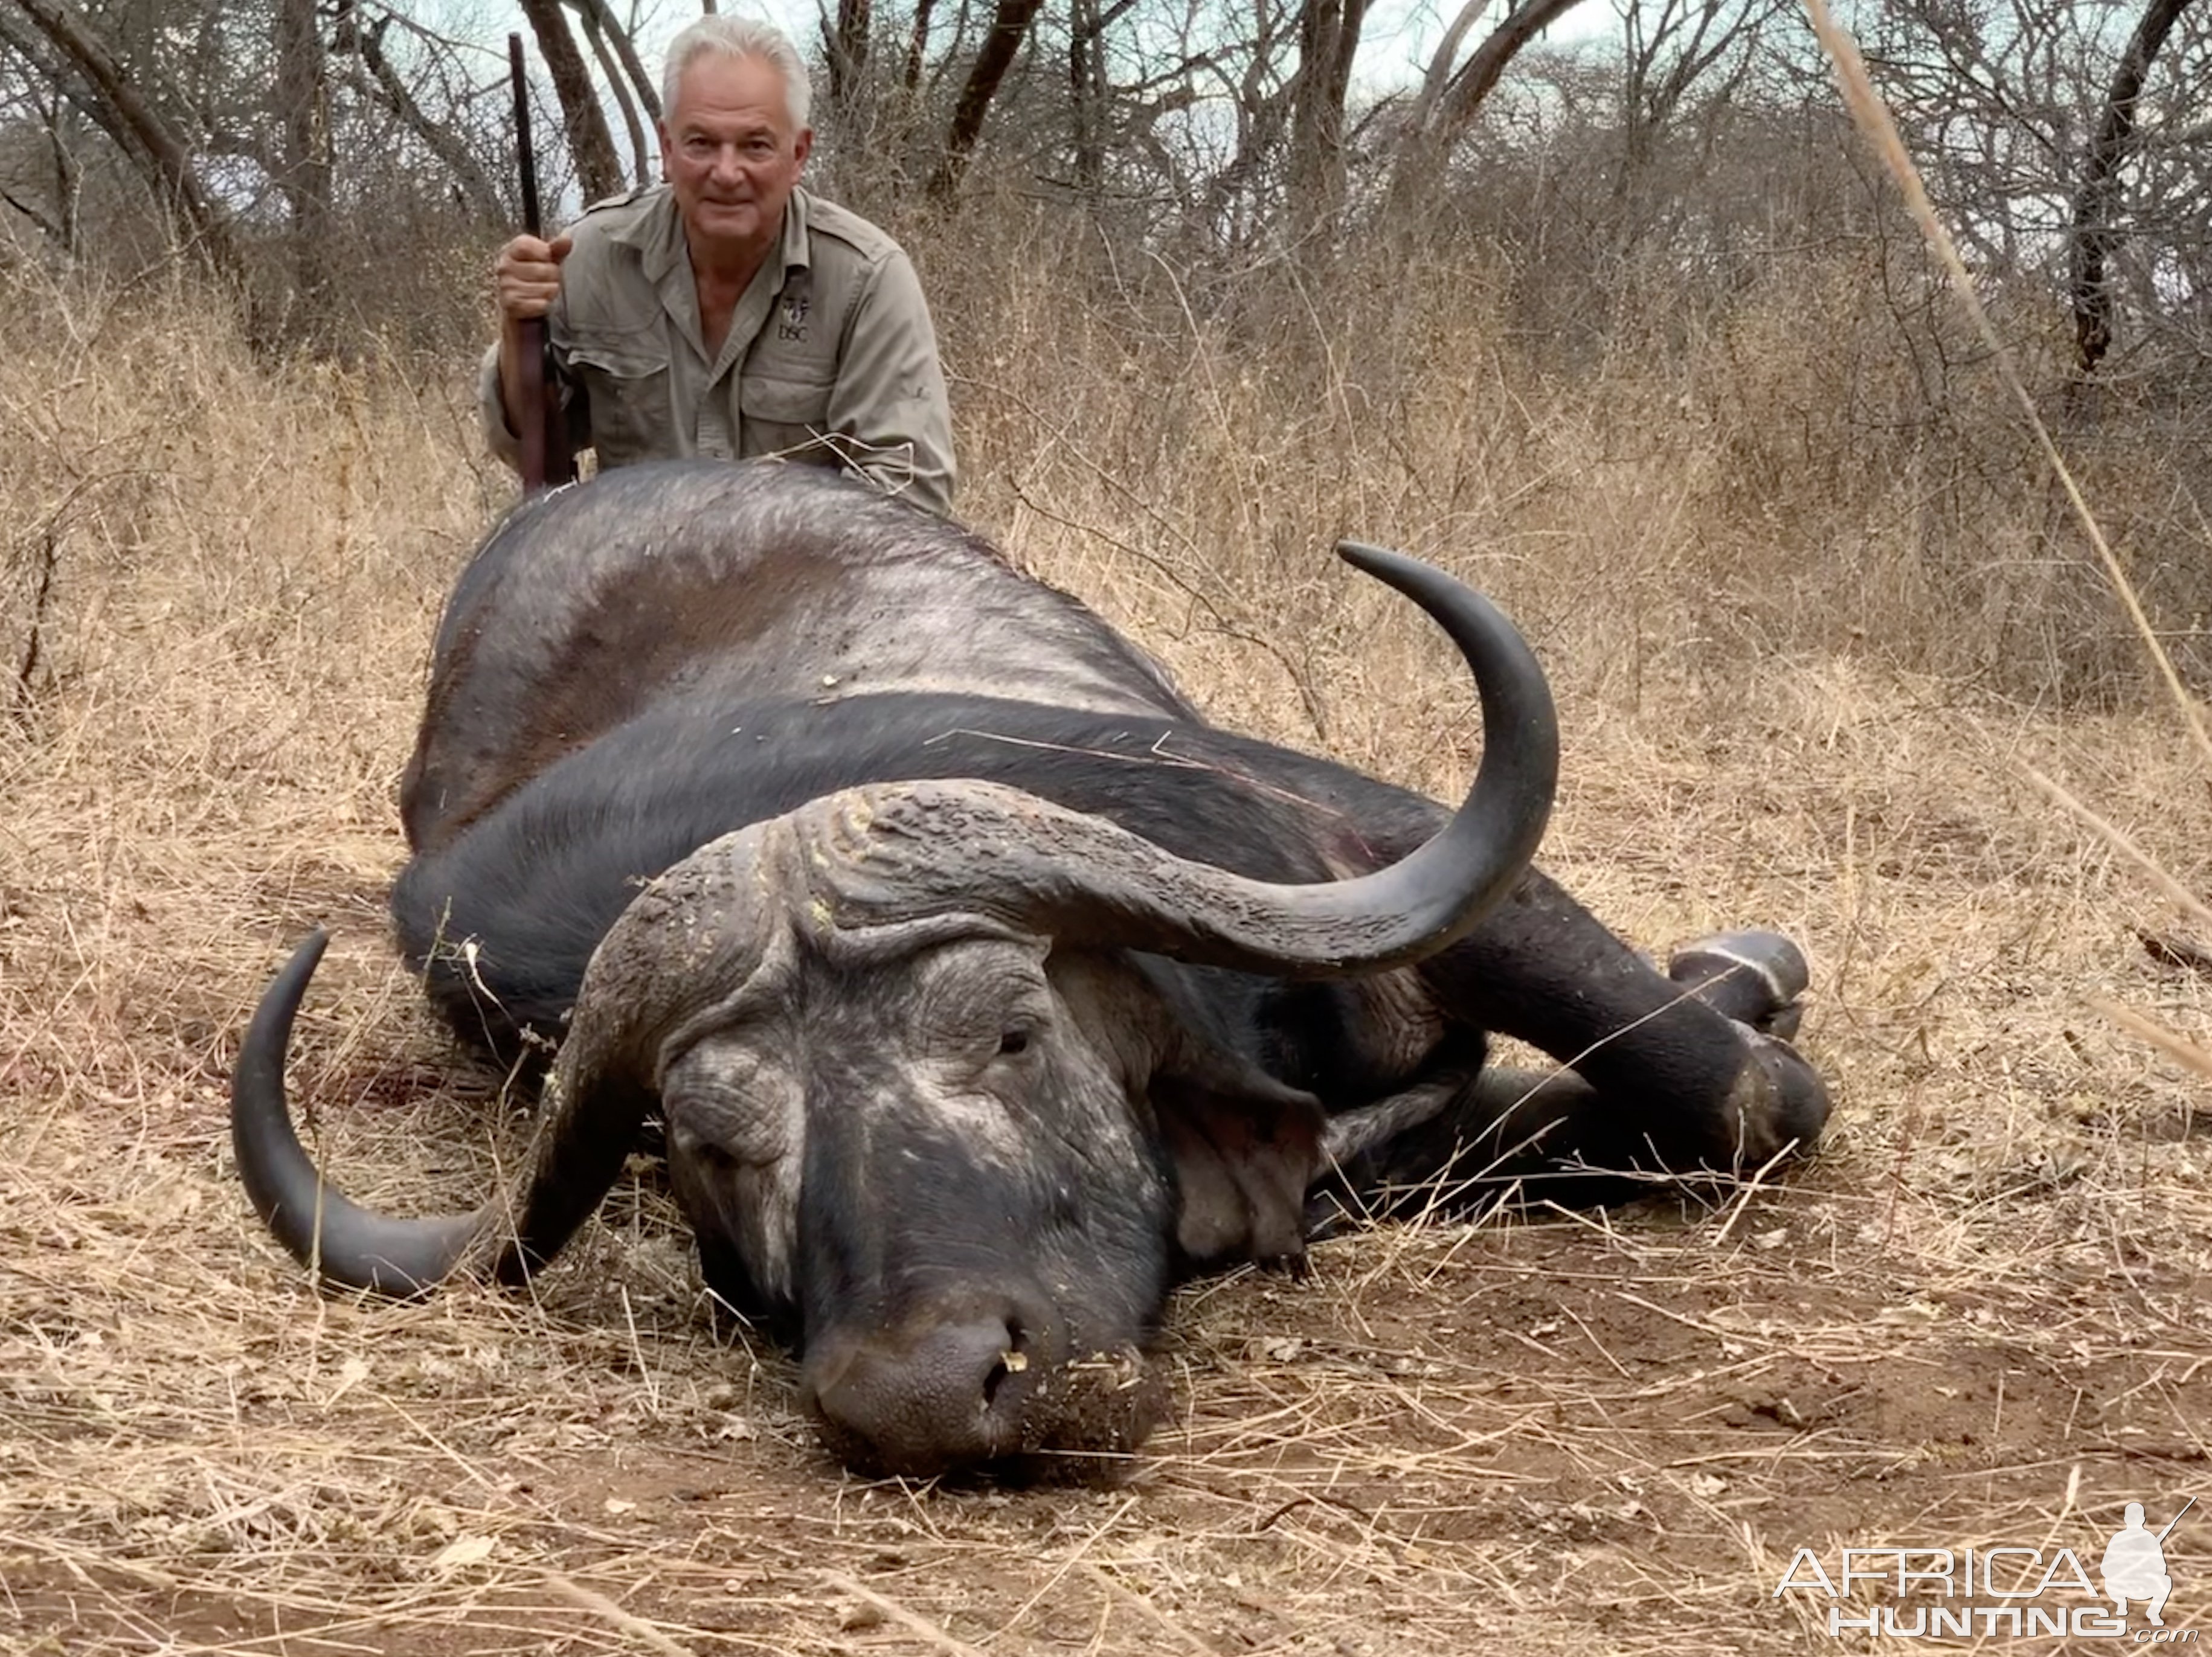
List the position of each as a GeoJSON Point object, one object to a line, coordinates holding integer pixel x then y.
{"type": "Point", "coordinates": [2135, 1563]}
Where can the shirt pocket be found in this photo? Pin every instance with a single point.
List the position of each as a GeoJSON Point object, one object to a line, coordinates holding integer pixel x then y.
{"type": "Point", "coordinates": [789, 417]}
{"type": "Point", "coordinates": [624, 372]}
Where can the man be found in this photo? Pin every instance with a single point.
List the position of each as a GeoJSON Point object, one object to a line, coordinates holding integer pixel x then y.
{"type": "Point", "coordinates": [727, 311]}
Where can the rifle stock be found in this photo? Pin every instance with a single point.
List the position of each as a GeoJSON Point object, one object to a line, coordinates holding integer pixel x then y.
{"type": "Point", "coordinates": [546, 460]}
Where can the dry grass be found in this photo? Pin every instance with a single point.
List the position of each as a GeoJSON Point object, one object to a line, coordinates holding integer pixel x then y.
{"type": "Point", "coordinates": [1979, 1317]}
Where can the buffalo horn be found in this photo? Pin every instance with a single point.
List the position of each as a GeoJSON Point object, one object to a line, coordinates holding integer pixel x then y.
{"type": "Point", "coordinates": [887, 853]}
{"type": "Point", "coordinates": [583, 1138]}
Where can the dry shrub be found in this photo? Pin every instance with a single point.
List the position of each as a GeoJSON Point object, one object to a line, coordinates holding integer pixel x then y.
{"type": "Point", "coordinates": [245, 564]}
{"type": "Point", "coordinates": [1817, 458]}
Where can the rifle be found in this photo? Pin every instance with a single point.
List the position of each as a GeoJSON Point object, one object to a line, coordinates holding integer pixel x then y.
{"type": "Point", "coordinates": [546, 460]}
{"type": "Point", "coordinates": [2176, 1519]}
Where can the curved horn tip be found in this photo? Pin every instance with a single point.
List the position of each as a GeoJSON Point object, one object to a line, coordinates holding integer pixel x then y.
{"type": "Point", "coordinates": [280, 1004]}
{"type": "Point", "coordinates": [1367, 556]}
{"type": "Point", "coordinates": [316, 1224]}
{"type": "Point", "coordinates": [1423, 582]}
{"type": "Point", "coordinates": [1402, 571]}
{"type": "Point", "coordinates": [262, 1139]}
{"type": "Point", "coordinates": [311, 946]}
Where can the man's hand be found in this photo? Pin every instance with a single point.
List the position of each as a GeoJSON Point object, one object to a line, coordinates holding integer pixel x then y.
{"type": "Point", "coordinates": [527, 277]}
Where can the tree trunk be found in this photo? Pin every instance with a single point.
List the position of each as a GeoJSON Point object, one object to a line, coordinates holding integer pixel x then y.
{"type": "Point", "coordinates": [1450, 100]}
{"type": "Point", "coordinates": [917, 45]}
{"type": "Point", "coordinates": [626, 105]}
{"type": "Point", "coordinates": [114, 102]}
{"type": "Point", "coordinates": [2095, 236]}
{"type": "Point", "coordinates": [848, 49]}
{"type": "Point", "coordinates": [58, 222]}
{"type": "Point", "coordinates": [597, 13]}
{"type": "Point", "coordinates": [1086, 95]}
{"type": "Point", "coordinates": [303, 106]}
{"type": "Point", "coordinates": [1009, 26]}
{"type": "Point", "coordinates": [459, 157]}
{"type": "Point", "coordinates": [1328, 37]}
{"type": "Point", "coordinates": [590, 145]}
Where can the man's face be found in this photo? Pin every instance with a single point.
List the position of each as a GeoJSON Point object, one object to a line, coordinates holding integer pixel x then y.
{"type": "Point", "coordinates": [731, 153]}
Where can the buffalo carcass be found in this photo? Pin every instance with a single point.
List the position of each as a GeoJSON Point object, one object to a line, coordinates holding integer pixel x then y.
{"type": "Point", "coordinates": [982, 987]}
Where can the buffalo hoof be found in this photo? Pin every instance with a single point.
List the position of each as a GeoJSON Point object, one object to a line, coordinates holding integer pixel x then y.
{"type": "Point", "coordinates": [1786, 1109]}
{"type": "Point", "coordinates": [1754, 977]}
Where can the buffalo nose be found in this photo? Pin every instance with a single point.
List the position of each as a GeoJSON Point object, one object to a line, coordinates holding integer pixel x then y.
{"type": "Point", "coordinates": [934, 1393]}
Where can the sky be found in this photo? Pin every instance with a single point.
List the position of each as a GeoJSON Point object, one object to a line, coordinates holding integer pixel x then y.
{"type": "Point", "coordinates": [1394, 46]}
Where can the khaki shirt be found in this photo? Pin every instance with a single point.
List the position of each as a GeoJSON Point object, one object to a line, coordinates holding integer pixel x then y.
{"type": "Point", "coordinates": [831, 357]}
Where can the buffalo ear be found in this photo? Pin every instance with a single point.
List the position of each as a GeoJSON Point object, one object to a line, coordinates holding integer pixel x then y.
{"type": "Point", "coordinates": [1243, 1148]}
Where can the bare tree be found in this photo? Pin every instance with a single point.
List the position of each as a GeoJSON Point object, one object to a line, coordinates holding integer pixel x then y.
{"type": "Point", "coordinates": [1251, 71]}
{"type": "Point", "coordinates": [117, 100]}
{"type": "Point", "coordinates": [595, 35]}
{"type": "Point", "coordinates": [623, 37]}
{"type": "Point", "coordinates": [378, 81]}
{"type": "Point", "coordinates": [847, 42]}
{"type": "Point", "coordinates": [1009, 26]}
{"type": "Point", "coordinates": [1089, 92]}
{"type": "Point", "coordinates": [269, 133]}
{"type": "Point", "coordinates": [917, 45]}
{"type": "Point", "coordinates": [1328, 38]}
{"type": "Point", "coordinates": [1670, 46]}
{"type": "Point", "coordinates": [2094, 235]}
{"type": "Point", "coordinates": [1452, 92]}
{"type": "Point", "coordinates": [2065, 165]}
{"type": "Point", "coordinates": [304, 174]}
{"type": "Point", "coordinates": [584, 124]}
{"type": "Point", "coordinates": [41, 179]}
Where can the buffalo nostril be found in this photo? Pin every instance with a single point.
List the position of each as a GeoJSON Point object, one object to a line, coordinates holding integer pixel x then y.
{"type": "Point", "coordinates": [1014, 1361]}
{"type": "Point", "coordinates": [927, 1395]}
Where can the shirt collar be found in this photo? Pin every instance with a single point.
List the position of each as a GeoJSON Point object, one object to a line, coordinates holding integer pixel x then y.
{"type": "Point", "coordinates": [658, 234]}
{"type": "Point", "coordinates": [797, 249]}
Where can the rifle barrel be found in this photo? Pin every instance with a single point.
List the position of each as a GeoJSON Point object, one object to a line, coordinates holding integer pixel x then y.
{"type": "Point", "coordinates": [2176, 1519]}
{"type": "Point", "coordinates": [526, 154]}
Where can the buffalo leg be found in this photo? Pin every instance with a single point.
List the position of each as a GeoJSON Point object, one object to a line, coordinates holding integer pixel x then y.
{"type": "Point", "coordinates": [1461, 1144]}
{"type": "Point", "coordinates": [1677, 1075]}
{"type": "Point", "coordinates": [1461, 1141]}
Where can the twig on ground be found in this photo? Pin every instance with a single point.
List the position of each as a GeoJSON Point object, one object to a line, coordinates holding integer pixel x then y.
{"type": "Point", "coordinates": [605, 1609]}
{"type": "Point", "coordinates": [912, 1621]}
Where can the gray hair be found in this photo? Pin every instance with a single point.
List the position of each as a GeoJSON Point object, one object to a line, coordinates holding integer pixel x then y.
{"type": "Point", "coordinates": [740, 37]}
